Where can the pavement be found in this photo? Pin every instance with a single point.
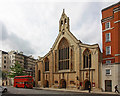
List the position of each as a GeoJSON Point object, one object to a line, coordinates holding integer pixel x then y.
{"type": "Point", "coordinates": [76, 90]}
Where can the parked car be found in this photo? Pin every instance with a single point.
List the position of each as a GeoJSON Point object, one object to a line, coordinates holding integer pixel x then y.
{"type": "Point", "coordinates": [3, 89]}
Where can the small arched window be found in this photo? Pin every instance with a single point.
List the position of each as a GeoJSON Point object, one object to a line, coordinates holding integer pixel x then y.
{"type": "Point", "coordinates": [46, 64]}
{"type": "Point", "coordinates": [39, 75]}
{"type": "Point", "coordinates": [65, 21]}
{"type": "Point", "coordinates": [61, 22]}
{"type": "Point", "coordinates": [86, 59]}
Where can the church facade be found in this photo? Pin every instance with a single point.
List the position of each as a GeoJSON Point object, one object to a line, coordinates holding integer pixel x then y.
{"type": "Point", "coordinates": [70, 63]}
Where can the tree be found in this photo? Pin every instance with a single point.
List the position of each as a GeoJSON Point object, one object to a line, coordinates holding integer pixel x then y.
{"type": "Point", "coordinates": [16, 70]}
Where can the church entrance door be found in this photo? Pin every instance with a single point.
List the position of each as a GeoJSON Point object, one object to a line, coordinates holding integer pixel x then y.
{"type": "Point", "coordinates": [87, 82]}
{"type": "Point", "coordinates": [46, 83]}
{"type": "Point", "coordinates": [62, 83]}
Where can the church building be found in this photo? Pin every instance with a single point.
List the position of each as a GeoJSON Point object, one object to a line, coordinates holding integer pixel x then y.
{"type": "Point", "coordinates": [70, 63]}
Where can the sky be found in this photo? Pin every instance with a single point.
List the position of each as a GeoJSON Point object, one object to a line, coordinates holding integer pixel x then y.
{"type": "Point", "coordinates": [32, 26]}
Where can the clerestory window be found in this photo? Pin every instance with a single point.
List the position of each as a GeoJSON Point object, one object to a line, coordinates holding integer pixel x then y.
{"type": "Point", "coordinates": [46, 64]}
{"type": "Point", "coordinates": [86, 59]}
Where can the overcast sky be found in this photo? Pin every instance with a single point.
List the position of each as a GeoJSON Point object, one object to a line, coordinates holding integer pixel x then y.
{"type": "Point", "coordinates": [31, 26]}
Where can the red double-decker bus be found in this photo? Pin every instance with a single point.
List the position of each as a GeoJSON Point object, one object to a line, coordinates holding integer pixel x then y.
{"type": "Point", "coordinates": [23, 81]}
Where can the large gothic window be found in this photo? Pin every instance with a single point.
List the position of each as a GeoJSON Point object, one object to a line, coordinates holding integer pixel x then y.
{"type": "Point", "coordinates": [46, 64]}
{"type": "Point", "coordinates": [86, 59]}
{"type": "Point", "coordinates": [63, 54]}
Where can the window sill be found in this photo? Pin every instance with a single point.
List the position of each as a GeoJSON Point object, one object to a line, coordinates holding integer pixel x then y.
{"type": "Point", "coordinates": [67, 70]}
{"type": "Point", "coordinates": [108, 54]}
{"type": "Point", "coordinates": [39, 81]}
{"type": "Point", "coordinates": [108, 41]}
{"type": "Point", "coordinates": [107, 29]}
{"type": "Point", "coordinates": [108, 63]}
{"type": "Point", "coordinates": [108, 74]}
{"type": "Point", "coordinates": [87, 68]}
{"type": "Point", "coordinates": [47, 72]}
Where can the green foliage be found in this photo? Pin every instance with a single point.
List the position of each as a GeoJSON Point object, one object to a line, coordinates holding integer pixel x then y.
{"type": "Point", "coordinates": [16, 70]}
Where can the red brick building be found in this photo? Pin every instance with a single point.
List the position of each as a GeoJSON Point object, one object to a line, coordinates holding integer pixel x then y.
{"type": "Point", "coordinates": [111, 46]}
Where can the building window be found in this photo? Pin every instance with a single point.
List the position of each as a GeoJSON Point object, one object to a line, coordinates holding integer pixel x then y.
{"type": "Point", "coordinates": [62, 23]}
{"type": "Point", "coordinates": [108, 37]}
{"type": "Point", "coordinates": [108, 72]}
{"type": "Point", "coordinates": [39, 75]}
{"type": "Point", "coordinates": [65, 21]}
{"type": "Point", "coordinates": [86, 59]}
{"type": "Point", "coordinates": [63, 55]}
{"type": "Point", "coordinates": [64, 58]}
{"type": "Point", "coordinates": [107, 25]}
{"type": "Point", "coordinates": [55, 60]}
{"type": "Point", "coordinates": [108, 50]}
{"type": "Point", "coordinates": [46, 64]}
{"type": "Point", "coordinates": [4, 66]}
{"type": "Point", "coordinates": [71, 59]}
{"type": "Point", "coordinates": [5, 61]}
{"type": "Point", "coordinates": [4, 57]}
{"type": "Point", "coordinates": [56, 82]}
{"type": "Point", "coordinates": [72, 82]}
{"type": "Point", "coordinates": [108, 62]}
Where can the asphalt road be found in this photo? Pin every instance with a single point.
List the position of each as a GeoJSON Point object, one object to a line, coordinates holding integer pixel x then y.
{"type": "Point", "coordinates": [37, 92]}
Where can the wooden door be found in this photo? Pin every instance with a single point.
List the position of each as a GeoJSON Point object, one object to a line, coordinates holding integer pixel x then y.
{"type": "Point", "coordinates": [108, 85]}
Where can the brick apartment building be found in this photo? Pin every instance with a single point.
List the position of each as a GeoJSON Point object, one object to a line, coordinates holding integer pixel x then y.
{"type": "Point", "coordinates": [111, 47]}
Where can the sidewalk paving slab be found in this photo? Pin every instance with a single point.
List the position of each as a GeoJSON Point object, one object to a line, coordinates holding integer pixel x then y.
{"type": "Point", "coordinates": [78, 91]}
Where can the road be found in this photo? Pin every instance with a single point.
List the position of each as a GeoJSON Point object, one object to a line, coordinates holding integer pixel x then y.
{"type": "Point", "coordinates": [37, 92]}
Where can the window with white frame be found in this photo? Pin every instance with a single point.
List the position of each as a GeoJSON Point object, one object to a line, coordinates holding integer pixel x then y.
{"type": "Point", "coordinates": [107, 25]}
{"type": "Point", "coordinates": [108, 61]}
{"type": "Point", "coordinates": [108, 50]}
{"type": "Point", "coordinates": [108, 37]}
{"type": "Point", "coordinates": [108, 72]}
{"type": "Point", "coordinates": [4, 57]}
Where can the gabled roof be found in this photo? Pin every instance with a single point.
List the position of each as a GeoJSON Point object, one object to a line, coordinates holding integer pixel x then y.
{"type": "Point", "coordinates": [71, 35]}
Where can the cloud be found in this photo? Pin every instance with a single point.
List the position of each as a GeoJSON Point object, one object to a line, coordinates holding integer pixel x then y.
{"type": "Point", "coordinates": [32, 26]}
{"type": "Point", "coordinates": [3, 32]}
{"type": "Point", "coordinates": [14, 42]}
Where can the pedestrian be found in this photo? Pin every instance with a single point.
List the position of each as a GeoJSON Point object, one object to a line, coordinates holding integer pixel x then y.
{"type": "Point", "coordinates": [6, 82]}
{"type": "Point", "coordinates": [3, 84]}
{"type": "Point", "coordinates": [116, 88]}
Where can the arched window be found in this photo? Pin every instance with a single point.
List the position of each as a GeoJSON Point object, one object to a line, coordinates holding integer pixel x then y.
{"type": "Point", "coordinates": [39, 75]}
{"type": "Point", "coordinates": [86, 59]}
{"type": "Point", "coordinates": [63, 54]}
{"type": "Point", "coordinates": [71, 59]}
{"type": "Point", "coordinates": [65, 21]}
{"type": "Point", "coordinates": [62, 23]}
{"type": "Point", "coordinates": [46, 64]}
